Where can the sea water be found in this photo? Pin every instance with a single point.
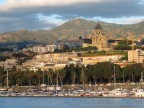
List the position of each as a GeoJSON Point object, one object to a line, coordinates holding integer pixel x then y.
{"type": "Point", "coordinates": [64, 102]}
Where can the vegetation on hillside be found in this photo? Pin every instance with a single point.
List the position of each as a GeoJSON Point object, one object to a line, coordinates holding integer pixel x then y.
{"type": "Point", "coordinates": [101, 73]}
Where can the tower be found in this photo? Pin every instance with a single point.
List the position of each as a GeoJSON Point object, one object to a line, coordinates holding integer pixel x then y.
{"type": "Point", "coordinates": [98, 29]}
{"type": "Point", "coordinates": [98, 38]}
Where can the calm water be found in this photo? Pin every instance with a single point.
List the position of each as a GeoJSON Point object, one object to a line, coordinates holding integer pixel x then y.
{"type": "Point", "coordinates": [42, 102]}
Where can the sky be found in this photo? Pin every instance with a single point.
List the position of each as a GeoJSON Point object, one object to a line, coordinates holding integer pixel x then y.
{"type": "Point", "coordinates": [47, 14]}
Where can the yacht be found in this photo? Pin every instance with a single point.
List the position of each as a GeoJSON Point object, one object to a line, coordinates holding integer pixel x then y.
{"type": "Point", "coordinates": [119, 92]}
{"type": "Point", "coordinates": [139, 93]}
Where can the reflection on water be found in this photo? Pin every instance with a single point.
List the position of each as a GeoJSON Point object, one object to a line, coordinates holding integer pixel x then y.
{"type": "Point", "coordinates": [44, 102]}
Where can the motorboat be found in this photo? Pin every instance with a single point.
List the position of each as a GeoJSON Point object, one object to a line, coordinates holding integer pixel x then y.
{"type": "Point", "coordinates": [139, 93]}
{"type": "Point", "coordinates": [119, 92]}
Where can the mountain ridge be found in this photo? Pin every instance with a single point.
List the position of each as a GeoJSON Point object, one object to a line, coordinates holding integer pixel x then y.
{"type": "Point", "coordinates": [71, 29]}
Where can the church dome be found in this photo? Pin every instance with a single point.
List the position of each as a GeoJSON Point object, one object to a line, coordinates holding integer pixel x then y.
{"type": "Point", "coordinates": [98, 26]}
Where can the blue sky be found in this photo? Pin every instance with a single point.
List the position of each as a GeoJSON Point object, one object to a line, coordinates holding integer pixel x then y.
{"type": "Point", "coordinates": [47, 14]}
{"type": "Point", "coordinates": [2, 1]}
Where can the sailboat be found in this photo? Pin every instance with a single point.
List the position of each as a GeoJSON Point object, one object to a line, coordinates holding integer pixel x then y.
{"type": "Point", "coordinates": [140, 92]}
{"type": "Point", "coordinates": [58, 88]}
{"type": "Point", "coordinates": [43, 85]}
{"type": "Point", "coordinates": [118, 92]}
{"type": "Point", "coordinates": [7, 79]}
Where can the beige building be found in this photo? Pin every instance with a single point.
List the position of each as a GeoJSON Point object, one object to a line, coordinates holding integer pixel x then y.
{"type": "Point", "coordinates": [40, 49]}
{"type": "Point", "coordinates": [51, 48]}
{"type": "Point", "coordinates": [44, 49]}
{"type": "Point", "coordinates": [136, 56]}
{"type": "Point", "coordinates": [98, 39]}
{"type": "Point", "coordinates": [34, 65]}
{"type": "Point", "coordinates": [55, 57]}
{"type": "Point", "coordinates": [60, 60]}
{"type": "Point", "coordinates": [47, 61]}
{"type": "Point", "coordinates": [95, 59]}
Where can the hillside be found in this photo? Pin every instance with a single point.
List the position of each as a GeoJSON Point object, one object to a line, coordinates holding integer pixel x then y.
{"type": "Point", "coordinates": [70, 29]}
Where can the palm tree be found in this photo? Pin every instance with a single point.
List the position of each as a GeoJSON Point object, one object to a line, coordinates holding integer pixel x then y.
{"type": "Point", "coordinates": [73, 77]}
{"type": "Point", "coordinates": [62, 74]}
{"type": "Point", "coordinates": [83, 77]}
{"type": "Point", "coordinates": [49, 74]}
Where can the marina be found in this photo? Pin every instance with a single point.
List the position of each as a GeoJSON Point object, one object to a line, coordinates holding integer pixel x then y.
{"type": "Point", "coordinates": [59, 92]}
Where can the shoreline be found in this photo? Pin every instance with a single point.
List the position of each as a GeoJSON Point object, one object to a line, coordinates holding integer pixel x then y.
{"type": "Point", "coordinates": [129, 97]}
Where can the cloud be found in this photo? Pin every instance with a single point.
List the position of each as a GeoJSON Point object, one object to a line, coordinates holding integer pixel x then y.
{"type": "Point", "coordinates": [68, 8]}
{"type": "Point", "coordinates": [122, 20]}
{"type": "Point", "coordinates": [28, 22]}
{"type": "Point", "coordinates": [141, 2]}
{"type": "Point", "coordinates": [55, 19]}
{"type": "Point", "coordinates": [46, 14]}
{"type": "Point", "coordinates": [10, 4]}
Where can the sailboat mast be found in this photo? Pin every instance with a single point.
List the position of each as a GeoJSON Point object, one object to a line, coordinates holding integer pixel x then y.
{"type": "Point", "coordinates": [114, 77]}
{"type": "Point", "coordinates": [7, 79]}
{"type": "Point", "coordinates": [43, 78]}
{"type": "Point", "coordinates": [7, 75]}
{"type": "Point", "coordinates": [57, 79]}
{"type": "Point", "coordinates": [95, 82]}
{"type": "Point", "coordinates": [83, 78]}
{"type": "Point", "coordinates": [141, 78]}
{"type": "Point", "coordinates": [74, 79]}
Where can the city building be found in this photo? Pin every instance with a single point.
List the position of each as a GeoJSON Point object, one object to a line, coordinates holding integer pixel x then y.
{"type": "Point", "coordinates": [56, 58]}
{"type": "Point", "coordinates": [136, 56]}
{"type": "Point", "coordinates": [51, 47]}
{"type": "Point", "coordinates": [39, 49]}
{"type": "Point", "coordinates": [102, 58]}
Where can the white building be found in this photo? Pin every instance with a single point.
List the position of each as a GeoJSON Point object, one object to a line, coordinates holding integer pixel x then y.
{"type": "Point", "coordinates": [39, 49]}
{"type": "Point", "coordinates": [44, 49]}
{"type": "Point", "coordinates": [51, 48]}
{"type": "Point", "coordinates": [136, 56]}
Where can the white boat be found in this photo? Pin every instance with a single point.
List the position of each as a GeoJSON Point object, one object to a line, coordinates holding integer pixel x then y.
{"type": "Point", "coordinates": [118, 93]}
{"type": "Point", "coordinates": [139, 93]}
{"type": "Point", "coordinates": [105, 93]}
{"type": "Point", "coordinates": [43, 85]}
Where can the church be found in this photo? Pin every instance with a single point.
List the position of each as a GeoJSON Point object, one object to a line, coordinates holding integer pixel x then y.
{"type": "Point", "coordinates": [98, 39]}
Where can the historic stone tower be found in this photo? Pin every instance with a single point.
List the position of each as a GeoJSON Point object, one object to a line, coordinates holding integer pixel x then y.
{"type": "Point", "coordinates": [98, 38]}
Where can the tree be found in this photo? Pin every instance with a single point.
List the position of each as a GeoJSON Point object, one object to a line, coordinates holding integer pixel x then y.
{"type": "Point", "coordinates": [108, 71]}
{"type": "Point", "coordinates": [133, 70]}
{"type": "Point", "coordinates": [73, 77]}
{"type": "Point", "coordinates": [62, 74]}
{"type": "Point", "coordinates": [83, 75]}
{"type": "Point", "coordinates": [69, 69]}
{"type": "Point", "coordinates": [50, 74]}
{"type": "Point", "coordinates": [14, 68]}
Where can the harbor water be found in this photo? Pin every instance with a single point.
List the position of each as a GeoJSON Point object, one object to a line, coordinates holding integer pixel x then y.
{"type": "Point", "coordinates": [64, 102]}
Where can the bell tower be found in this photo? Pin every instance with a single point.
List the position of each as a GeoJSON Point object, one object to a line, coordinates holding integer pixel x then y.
{"type": "Point", "coordinates": [98, 38]}
{"type": "Point", "coordinates": [98, 29]}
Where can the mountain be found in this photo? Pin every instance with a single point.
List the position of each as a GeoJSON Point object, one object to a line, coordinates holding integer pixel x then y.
{"type": "Point", "coordinates": [71, 29]}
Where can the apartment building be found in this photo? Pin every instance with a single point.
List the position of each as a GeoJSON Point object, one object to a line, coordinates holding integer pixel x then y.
{"type": "Point", "coordinates": [136, 56]}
